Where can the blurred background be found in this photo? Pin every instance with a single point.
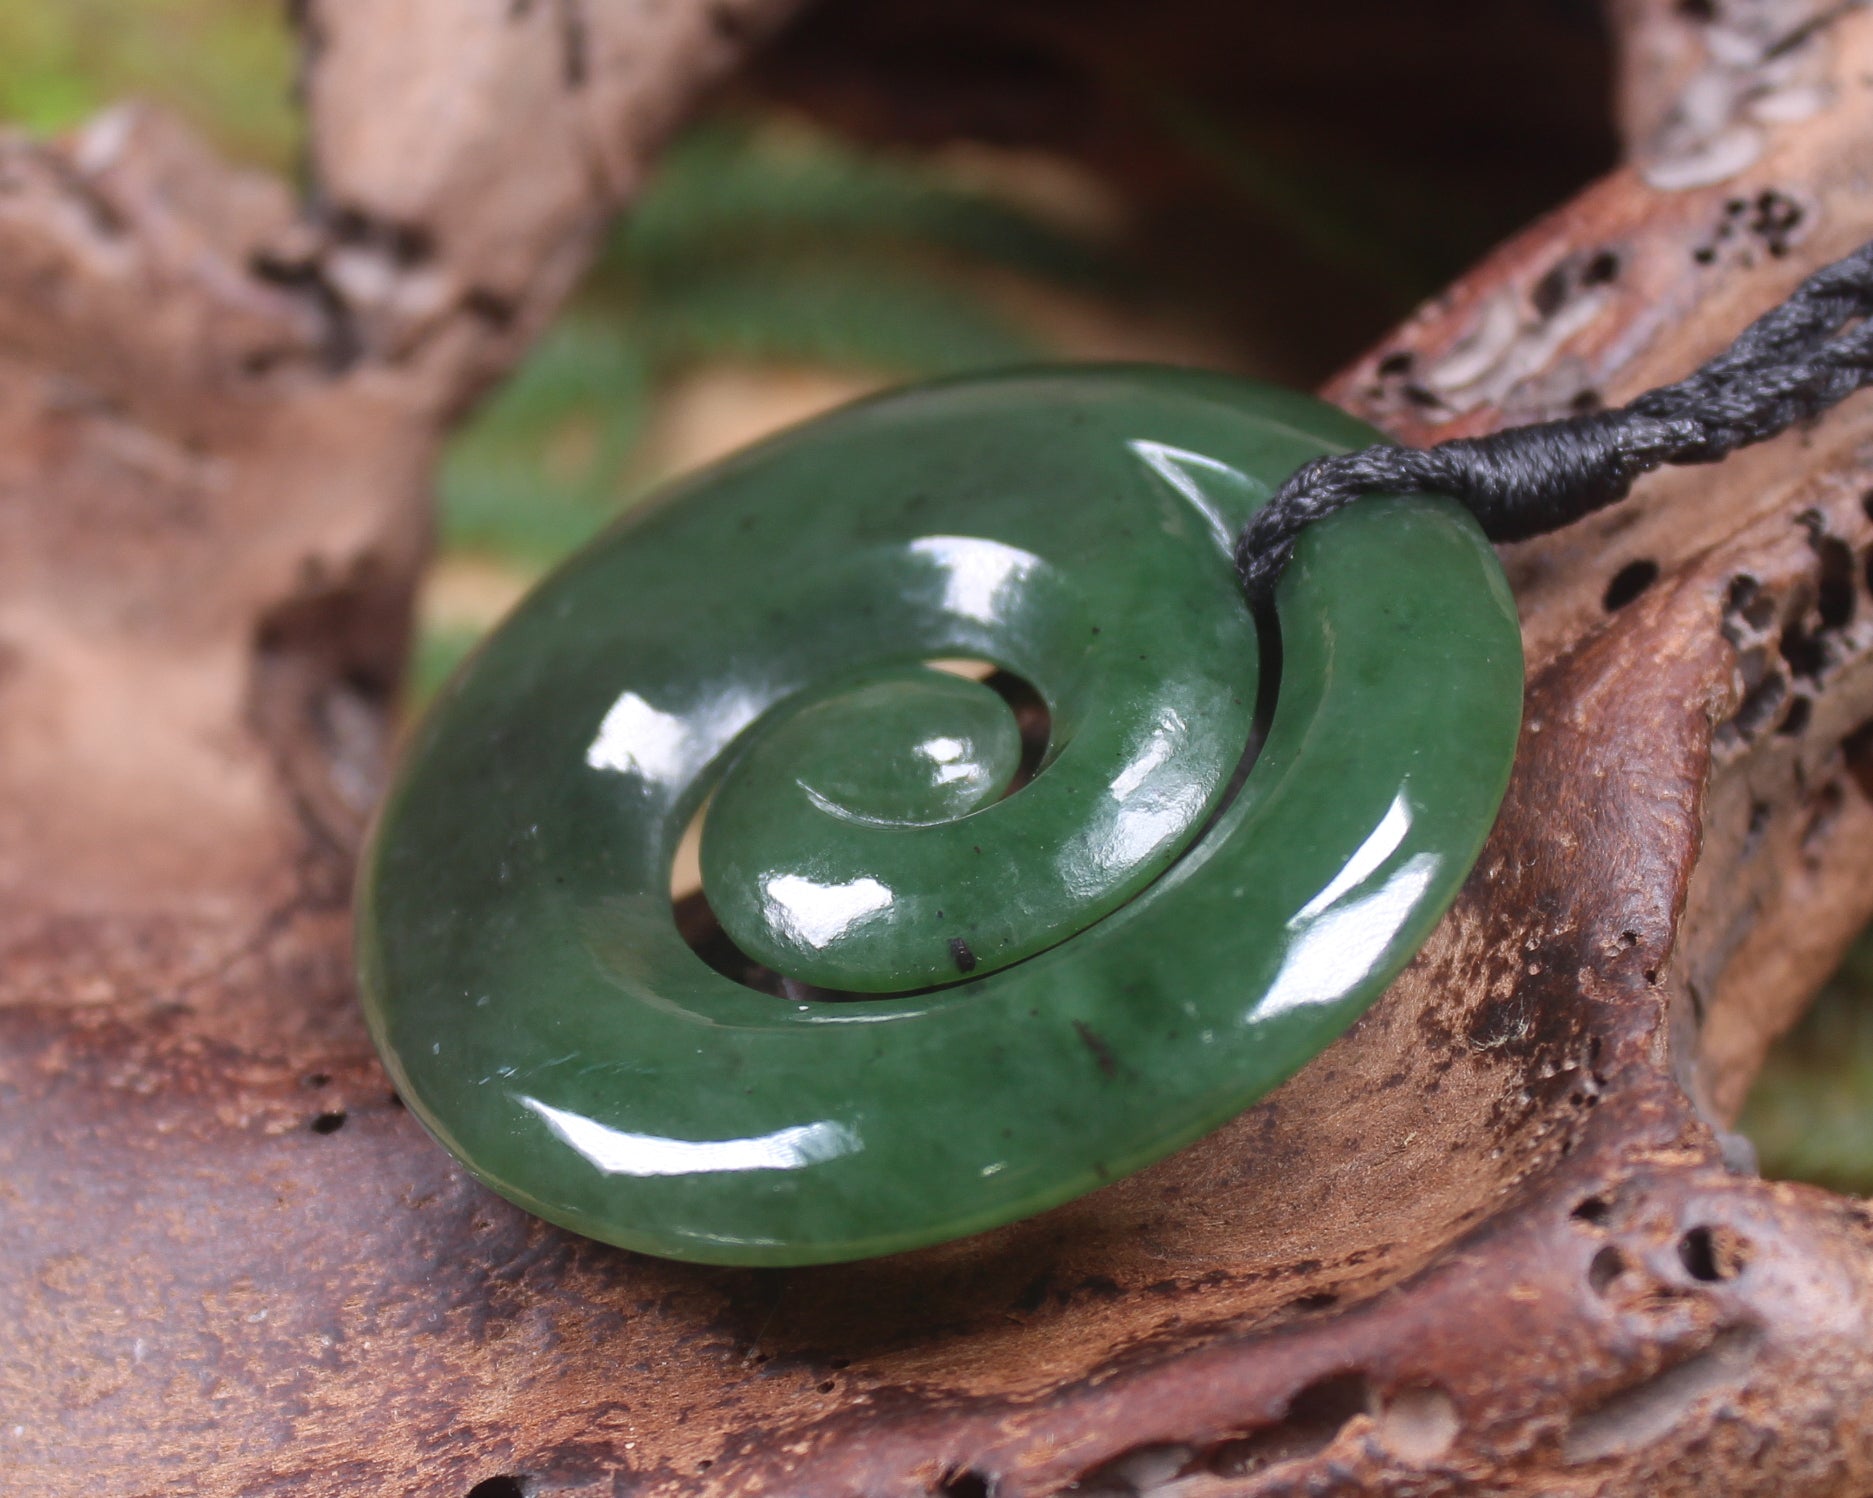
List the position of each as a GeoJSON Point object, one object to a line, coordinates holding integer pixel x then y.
{"type": "Point", "coordinates": [1262, 210]}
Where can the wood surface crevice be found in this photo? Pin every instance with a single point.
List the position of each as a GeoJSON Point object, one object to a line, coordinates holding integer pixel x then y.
{"type": "Point", "coordinates": [1497, 1241]}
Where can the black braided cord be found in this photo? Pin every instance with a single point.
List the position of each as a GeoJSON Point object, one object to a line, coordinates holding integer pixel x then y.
{"type": "Point", "coordinates": [1789, 366]}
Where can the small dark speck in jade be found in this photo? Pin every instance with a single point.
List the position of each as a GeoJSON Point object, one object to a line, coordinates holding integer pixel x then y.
{"type": "Point", "coordinates": [1008, 981]}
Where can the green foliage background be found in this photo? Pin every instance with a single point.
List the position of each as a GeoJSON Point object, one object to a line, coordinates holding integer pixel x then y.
{"type": "Point", "coordinates": [224, 64]}
{"type": "Point", "coordinates": [1811, 1111]}
{"type": "Point", "coordinates": [763, 244]}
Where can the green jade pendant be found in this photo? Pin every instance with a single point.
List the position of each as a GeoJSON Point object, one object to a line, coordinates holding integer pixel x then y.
{"type": "Point", "coordinates": [989, 1000]}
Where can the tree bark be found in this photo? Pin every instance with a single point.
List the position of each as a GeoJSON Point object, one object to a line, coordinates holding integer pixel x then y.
{"type": "Point", "coordinates": [1496, 1241]}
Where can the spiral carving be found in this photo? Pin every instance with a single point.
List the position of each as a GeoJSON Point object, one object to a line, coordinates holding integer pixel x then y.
{"type": "Point", "coordinates": [1001, 994]}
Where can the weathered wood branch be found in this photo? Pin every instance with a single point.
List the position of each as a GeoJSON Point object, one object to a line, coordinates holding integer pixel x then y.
{"type": "Point", "coordinates": [1496, 1241]}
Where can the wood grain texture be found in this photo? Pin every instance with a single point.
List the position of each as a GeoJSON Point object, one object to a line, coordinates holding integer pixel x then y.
{"type": "Point", "coordinates": [1495, 1242]}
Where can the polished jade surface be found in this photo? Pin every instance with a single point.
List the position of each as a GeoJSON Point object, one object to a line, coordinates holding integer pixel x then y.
{"type": "Point", "coordinates": [995, 998]}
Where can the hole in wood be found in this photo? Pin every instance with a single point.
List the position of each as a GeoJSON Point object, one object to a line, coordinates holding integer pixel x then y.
{"type": "Point", "coordinates": [328, 1123]}
{"type": "Point", "coordinates": [1713, 1254]}
{"type": "Point", "coordinates": [1629, 582]}
{"type": "Point", "coordinates": [1760, 705]}
{"type": "Point", "coordinates": [1607, 1265]}
{"type": "Point", "coordinates": [1806, 654]}
{"type": "Point", "coordinates": [1550, 292]}
{"type": "Point", "coordinates": [1419, 1424]}
{"type": "Point", "coordinates": [1150, 1468]}
{"type": "Point", "coordinates": [504, 1486]}
{"type": "Point", "coordinates": [1746, 600]}
{"type": "Point", "coordinates": [1602, 269]}
{"type": "Point", "coordinates": [1837, 596]}
{"type": "Point", "coordinates": [1316, 1416]}
{"type": "Point", "coordinates": [1637, 1416]}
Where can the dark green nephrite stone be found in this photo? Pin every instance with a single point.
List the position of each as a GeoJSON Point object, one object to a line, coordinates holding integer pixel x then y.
{"type": "Point", "coordinates": [988, 973]}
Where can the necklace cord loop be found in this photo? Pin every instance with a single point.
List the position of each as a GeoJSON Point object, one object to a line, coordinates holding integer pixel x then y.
{"type": "Point", "coordinates": [1789, 366]}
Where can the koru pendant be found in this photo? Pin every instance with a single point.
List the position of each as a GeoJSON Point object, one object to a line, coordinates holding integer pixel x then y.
{"type": "Point", "coordinates": [1002, 973]}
